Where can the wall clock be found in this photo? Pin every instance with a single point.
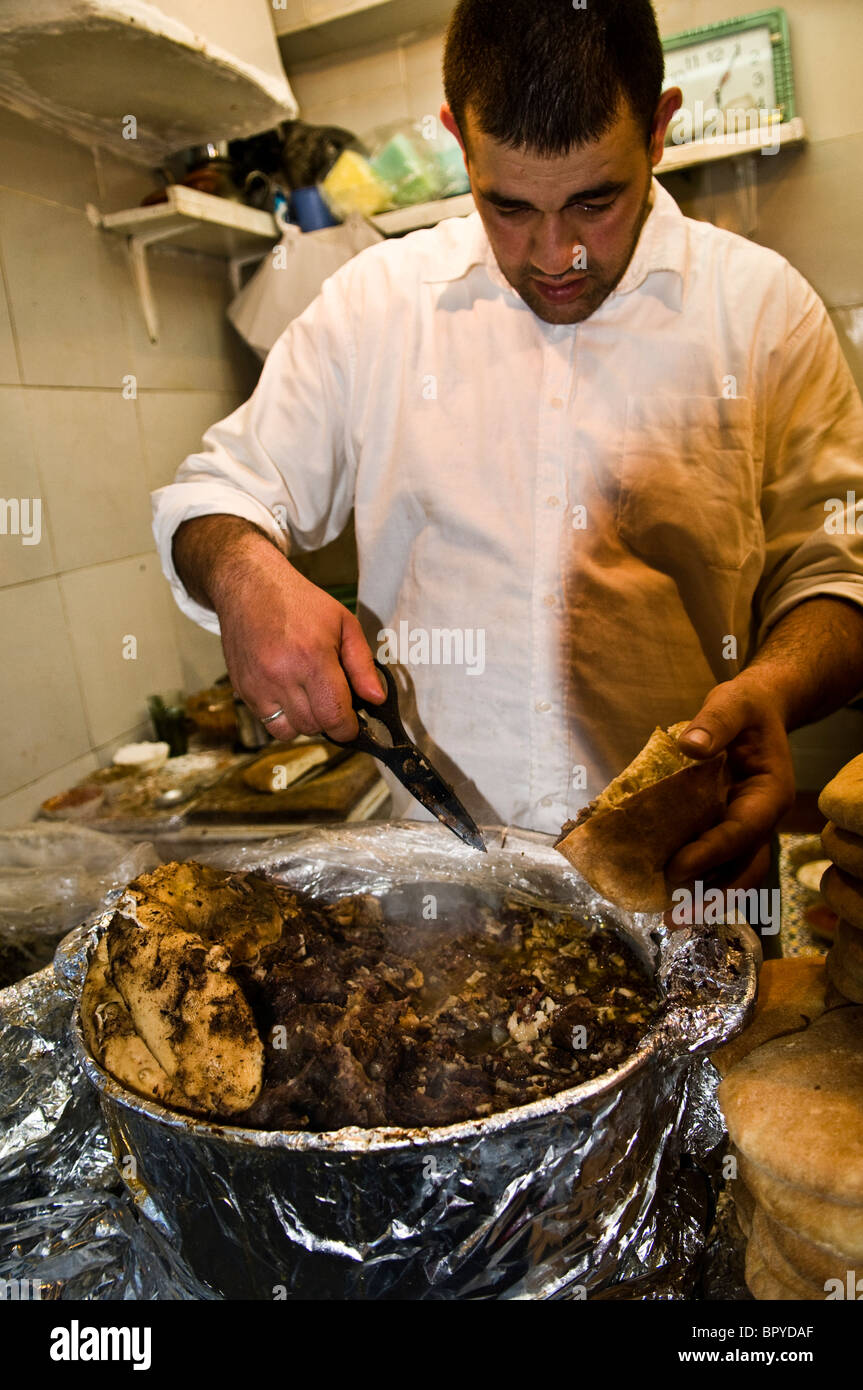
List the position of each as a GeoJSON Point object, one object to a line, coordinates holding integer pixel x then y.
{"type": "Point", "coordinates": [734, 75]}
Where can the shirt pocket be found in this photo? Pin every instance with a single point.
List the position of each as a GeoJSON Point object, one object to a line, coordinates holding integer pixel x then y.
{"type": "Point", "coordinates": [688, 486]}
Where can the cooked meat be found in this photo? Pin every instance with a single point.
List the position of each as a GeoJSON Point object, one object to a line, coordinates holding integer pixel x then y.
{"type": "Point", "coordinates": [369, 1024]}
{"type": "Point", "coordinates": [364, 1021]}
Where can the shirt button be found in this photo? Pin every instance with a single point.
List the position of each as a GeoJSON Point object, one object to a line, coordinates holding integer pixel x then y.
{"type": "Point", "coordinates": [549, 600]}
{"type": "Point", "coordinates": [556, 403]}
{"type": "Point", "coordinates": [543, 706]}
{"type": "Point", "coordinates": [552, 501]}
{"type": "Point", "coordinates": [547, 801]}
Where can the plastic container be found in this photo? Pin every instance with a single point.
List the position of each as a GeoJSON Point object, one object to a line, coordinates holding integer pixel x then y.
{"type": "Point", "coordinates": [352, 186]}
{"type": "Point", "coordinates": [310, 211]}
{"type": "Point", "coordinates": [143, 757]}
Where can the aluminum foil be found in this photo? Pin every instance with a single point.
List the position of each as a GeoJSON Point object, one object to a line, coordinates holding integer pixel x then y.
{"type": "Point", "coordinates": [603, 1191]}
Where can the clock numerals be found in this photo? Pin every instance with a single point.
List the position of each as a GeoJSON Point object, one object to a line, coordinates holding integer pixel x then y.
{"type": "Point", "coordinates": [728, 80]}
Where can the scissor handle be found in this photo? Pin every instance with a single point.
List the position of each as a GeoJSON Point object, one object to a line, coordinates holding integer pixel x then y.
{"type": "Point", "coordinates": [387, 714]}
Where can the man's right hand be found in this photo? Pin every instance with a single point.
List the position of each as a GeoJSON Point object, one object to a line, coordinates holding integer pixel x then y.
{"type": "Point", "coordinates": [288, 645]}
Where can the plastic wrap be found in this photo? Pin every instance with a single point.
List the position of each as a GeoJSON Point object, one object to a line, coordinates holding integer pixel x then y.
{"type": "Point", "coordinates": [606, 1190]}
{"type": "Point", "coordinates": [50, 877]}
{"type": "Point", "coordinates": [411, 161]}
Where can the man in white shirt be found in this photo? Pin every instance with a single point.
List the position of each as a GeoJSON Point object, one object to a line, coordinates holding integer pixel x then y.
{"type": "Point", "coordinates": [591, 446]}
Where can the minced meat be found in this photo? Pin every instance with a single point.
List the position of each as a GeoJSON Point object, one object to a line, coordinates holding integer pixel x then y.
{"type": "Point", "coordinates": [371, 1023]}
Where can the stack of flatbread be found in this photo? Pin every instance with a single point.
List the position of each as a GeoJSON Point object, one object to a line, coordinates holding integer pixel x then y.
{"type": "Point", "coordinates": [842, 885]}
{"type": "Point", "coordinates": [792, 1092]}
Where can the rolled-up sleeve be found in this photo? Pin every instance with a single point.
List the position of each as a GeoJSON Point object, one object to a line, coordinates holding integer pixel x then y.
{"type": "Point", "coordinates": [284, 460]}
{"type": "Point", "coordinates": [813, 471]}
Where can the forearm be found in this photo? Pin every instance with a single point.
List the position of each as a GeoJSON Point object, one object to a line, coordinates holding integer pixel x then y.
{"type": "Point", "coordinates": [211, 554]}
{"type": "Point", "coordinates": [293, 653]}
{"type": "Point", "coordinates": [812, 661]}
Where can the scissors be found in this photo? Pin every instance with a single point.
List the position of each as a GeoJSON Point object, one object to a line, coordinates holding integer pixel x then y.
{"type": "Point", "coordinates": [413, 769]}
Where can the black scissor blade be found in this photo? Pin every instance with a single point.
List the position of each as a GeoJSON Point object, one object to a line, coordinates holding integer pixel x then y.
{"type": "Point", "coordinates": [415, 772]}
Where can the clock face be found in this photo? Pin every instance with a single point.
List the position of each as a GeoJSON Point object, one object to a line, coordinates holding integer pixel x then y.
{"type": "Point", "coordinates": [725, 73]}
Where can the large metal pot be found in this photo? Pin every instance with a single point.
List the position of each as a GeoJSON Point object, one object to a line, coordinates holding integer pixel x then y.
{"type": "Point", "coordinates": [556, 1198]}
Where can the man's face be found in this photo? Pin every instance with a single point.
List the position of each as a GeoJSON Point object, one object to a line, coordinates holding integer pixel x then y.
{"type": "Point", "coordinates": [563, 228]}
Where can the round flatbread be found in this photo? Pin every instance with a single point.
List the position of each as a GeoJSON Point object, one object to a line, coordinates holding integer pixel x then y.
{"type": "Point", "coordinates": [744, 1205]}
{"type": "Point", "coordinates": [112, 1038]}
{"type": "Point", "coordinates": [835, 998]}
{"type": "Point", "coordinates": [190, 1013]}
{"type": "Point", "coordinates": [837, 1225]}
{"type": "Point", "coordinates": [845, 961]}
{"type": "Point", "coordinates": [844, 894]}
{"type": "Point", "coordinates": [795, 1106]}
{"type": "Point", "coordinates": [239, 911]}
{"type": "Point", "coordinates": [844, 848]}
{"type": "Point", "coordinates": [842, 799]}
{"type": "Point", "coordinates": [761, 1282]}
{"type": "Point", "coordinates": [622, 841]}
{"type": "Point", "coordinates": [816, 1263]}
{"type": "Point", "coordinates": [768, 1258]}
{"type": "Point", "coordinates": [791, 994]}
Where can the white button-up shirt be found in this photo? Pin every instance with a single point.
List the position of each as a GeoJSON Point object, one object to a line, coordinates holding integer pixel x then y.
{"type": "Point", "coordinates": [566, 534]}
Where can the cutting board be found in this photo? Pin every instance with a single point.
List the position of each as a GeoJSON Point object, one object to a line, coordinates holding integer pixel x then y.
{"type": "Point", "coordinates": [331, 796]}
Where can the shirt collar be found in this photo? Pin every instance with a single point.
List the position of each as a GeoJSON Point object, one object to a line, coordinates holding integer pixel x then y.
{"type": "Point", "coordinates": [662, 246]}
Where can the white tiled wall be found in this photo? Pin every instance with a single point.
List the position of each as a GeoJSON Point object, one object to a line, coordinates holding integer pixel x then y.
{"type": "Point", "coordinates": [119, 618]}
{"type": "Point", "coordinates": [45, 720]}
{"type": "Point", "coordinates": [70, 331]}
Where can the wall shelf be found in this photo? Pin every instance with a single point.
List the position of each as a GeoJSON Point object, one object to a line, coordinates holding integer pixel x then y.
{"type": "Point", "coordinates": [219, 227]}
{"type": "Point", "coordinates": [675, 158]}
{"type": "Point", "coordinates": [423, 214]}
{"type": "Point", "coordinates": [202, 222]}
{"type": "Point", "coordinates": [144, 78]}
{"type": "Point", "coordinates": [308, 30]}
{"type": "Point", "coordinates": [717, 147]}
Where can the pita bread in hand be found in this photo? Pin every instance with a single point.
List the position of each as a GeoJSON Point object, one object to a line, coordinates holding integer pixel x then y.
{"type": "Point", "coordinates": [623, 840]}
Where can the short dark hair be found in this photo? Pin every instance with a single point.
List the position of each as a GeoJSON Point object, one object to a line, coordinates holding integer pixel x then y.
{"type": "Point", "coordinates": [547, 76]}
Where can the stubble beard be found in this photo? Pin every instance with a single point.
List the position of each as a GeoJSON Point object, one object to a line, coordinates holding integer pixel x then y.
{"type": "Point", "coordinates": [600, 286]}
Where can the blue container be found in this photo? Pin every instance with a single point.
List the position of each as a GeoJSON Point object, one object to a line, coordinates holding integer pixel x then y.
{"type": "Point", "coordinates": [310, 211]}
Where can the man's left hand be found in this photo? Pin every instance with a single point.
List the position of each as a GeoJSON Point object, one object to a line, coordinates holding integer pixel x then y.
{"type": "Point", "coordinates": [740, 716]}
